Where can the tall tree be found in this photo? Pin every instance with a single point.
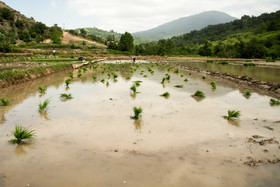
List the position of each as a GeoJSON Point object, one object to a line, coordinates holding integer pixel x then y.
{"type": "Point", "coordinates": [126, 42]}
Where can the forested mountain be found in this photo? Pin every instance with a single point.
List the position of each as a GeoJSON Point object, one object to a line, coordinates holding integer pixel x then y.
{"type": "Point", "coordinates": [248, 37]}
{"type": "Point", "coordinates": [15, 27]}
{"type": "Point", "coordinates": [185, 25]}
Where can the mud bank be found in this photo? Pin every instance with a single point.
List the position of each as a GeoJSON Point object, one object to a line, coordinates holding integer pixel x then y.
{"type": "Point", "coordinates": [267, 88]}
{"type": "Point", "coordinates": [10, 78]}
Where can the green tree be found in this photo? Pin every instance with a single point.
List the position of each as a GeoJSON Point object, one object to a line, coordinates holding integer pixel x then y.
{"type": "Point", "coordinates": [24, 35]}
{"type": "Point", "coordinates": [56, 34]}
{"type": "Point", "coordinates": [206, 49]}
{"type": "Point", "coordinates": [126, 42]}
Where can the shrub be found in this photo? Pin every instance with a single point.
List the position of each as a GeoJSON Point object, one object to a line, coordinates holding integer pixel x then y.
{"type": "Point", "coordinates": [199, 94]}
{"type": "Point", "coordinates": [22, 133]}
{"type": "Point", "coordinates": [232, 115]}
{"type": "Point", "coordinates": [5, 102]}
{"type": "Point", "coordinates": [269, 59]}
{"type": "Point", "coordinates": [137, 113]}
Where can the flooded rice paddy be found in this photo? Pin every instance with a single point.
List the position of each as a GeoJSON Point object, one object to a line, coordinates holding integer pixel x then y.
{"type": "Point", "coordinates": [90, 139]}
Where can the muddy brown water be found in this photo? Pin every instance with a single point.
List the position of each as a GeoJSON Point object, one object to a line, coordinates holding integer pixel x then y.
{"type": "Point", "coordinates": [90, 140]}
{"type": "Point", "coordinates": [268, 74]}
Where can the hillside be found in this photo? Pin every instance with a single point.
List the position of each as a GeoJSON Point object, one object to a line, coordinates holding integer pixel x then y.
{"type": "Point", "coordinates": [185, 25]}
{"type": "Point", "coordinates": [67, 38]}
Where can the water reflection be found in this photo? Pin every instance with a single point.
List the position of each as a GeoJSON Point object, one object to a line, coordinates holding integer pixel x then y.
{"type": "Point", "coordinates": [138, 124]}
{"type": "Point", "coordinates": [198, 99]}
{"type": "Point", "coordinates": [234, 123]}
{"type": "Point", "coordinates": [20, 149]}
{"type": "Point", "coordinates": [44, 115]}
{"type": "Point", "coordinates": [3, 118]}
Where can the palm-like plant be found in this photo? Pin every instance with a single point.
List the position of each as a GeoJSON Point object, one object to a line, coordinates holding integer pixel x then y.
{"type": "Point", "coordinates": [232, 115]}
{"type": "Point", "coordinates": [137, 113]}
{"type": "Point", "coordinates": [213, 84]}
{"type": "Point", "coordinates": [22, 133]}
{"type": "Point", "coordinates": [43, 106]}
{"type": "Point", "coordinates": [199, 94]}
{"type": "Point", "coordinates": [5, 102]}
{"type": "Point", "coordinates": [274, 102]}
{"type": "Point", "coordinates": [42, 89]}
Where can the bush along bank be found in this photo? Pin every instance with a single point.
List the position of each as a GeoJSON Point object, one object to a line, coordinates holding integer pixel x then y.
{"type": "Point", "coordinates": [14, 77]}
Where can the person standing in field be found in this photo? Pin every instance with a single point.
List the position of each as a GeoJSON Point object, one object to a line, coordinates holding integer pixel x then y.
{"type": "Point", "coordinates": [54, 53]}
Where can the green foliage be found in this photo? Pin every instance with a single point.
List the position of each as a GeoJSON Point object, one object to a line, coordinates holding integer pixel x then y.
{"type": "Point", "coordinates": [137, 113]}
{"type": "Point", "coordinates": [94, 77]}
{"type": "Point", "coordinates": [232, 115]}
{"type": "Point", "coordinates": [166, 94]}
{"type": "Point", "coordinates": [56, 34]}
{"type": "Point", "coordinates": [223, 62]}
{"type": "Point", "coordinates": [249, 64]}
{"type": "Point", "coordinates": [71, 75]}
{"type": "Point", "coordinates": [5, 102]}
{"type": "Point", "coordinates": [42, 89]}
{"type": "Point", "coordinates": [126, 42]}
{"type": "Point", "coordinates": [179, 86]}
{"type": "Point", "coordinates": [269, 59]}
{"type": "Point", "coordinates": [22, 133]}
{"type": "Point", "coordinates": [274, 102]}
{"type": "Point", "coordinates": [67, 82]}
{"type": "Point", "coordinates": [115, 76]}
{"type": "Point", "coordinates": [210, 61]}
{"type": "Point", "coordinates": [176, 71]}
{"type": "Point", "coordinates": [84, 69]}
{"type": "Point", "coordinates": [213, 84]}
{"type": "Point", "coordinates": [199, 94]}
{"type": "Point", "coordinates": [102, 81]}
{"type": "Point", "coordinates": [167, 76]}
{"type": "Point", "coordinates": [66, 96]}
{"type": "Point", "coordinates": [43, 106]}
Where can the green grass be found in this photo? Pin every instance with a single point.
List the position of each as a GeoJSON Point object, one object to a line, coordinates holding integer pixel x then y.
{"type": "Point", "coordinates": [274, 102]}
{"type": "Point", "coordinates": [232, 115]}
{"type": "Point", "coordinates": [166, 94]}
{"type": "Point", "coordinates": [199, 94]}
{"type": "Point", "coordinates": [179, 86]}
{"type": "Point", "coordinates": [213, 85]}
{"type": "Point", "coordinates": [249, 64]}
{"type": "Point", "coordinates": [137, 113]}
{"type": "Point", "coordinates": [5, 102]}
{"type": "Point", "coordinates": [42, 89]}
{"type": "Point", "coordinates": [54, 60]}
{"type": "Point", "coordinates": [43, 106]}
{"type": "Point", "coordinates": [66, 96]}
{"type": "Point", "coordinates": [210, 61]}
{"type": "Point", "coordinates": [22, 133]}
{"type": "Point", "coordinates": [67, 82]}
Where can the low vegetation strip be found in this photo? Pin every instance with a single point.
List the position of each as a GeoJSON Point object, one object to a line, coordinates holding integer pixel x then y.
{"type": "Point", "coordinates": [19, 76]}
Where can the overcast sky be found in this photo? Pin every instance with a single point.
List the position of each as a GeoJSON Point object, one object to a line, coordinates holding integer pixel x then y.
{"type": "Point", "coordinates": [133, 15]}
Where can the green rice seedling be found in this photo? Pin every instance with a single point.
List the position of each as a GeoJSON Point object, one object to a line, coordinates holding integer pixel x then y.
{"type": "Point", "coordinates": [43, 106]}
{"type": "Point", "coordinates": [22, 133]}
{"type": "Point", "coordinates": [186, 80]}
{"type": "Point", "coordinates": [176, 71]}
{"type": "Point", "coordinates": [107, 83]}
{"type": "Point", "coordinates": [166, 94]}
{"type": "Point", "coordinates": [203, 77]}
{"type": "Point", "coordinates": [79, 75]}
{"type": "Point", "coordinates": [79, 71]}
{"type": "Point", "coordinates": [210, 61]}
{"type": "Point", "coordinates": [167, 76]}
{"type": "Point", "coordinates": [274, 102]}
{"type": "Point", "coordinates": [5, 102]}
{"type": "Point", "coordinates": [163, 80]}
{"type": "Point", "coordinates": [84, 69]}
{"type": "Point", "coordinates": [137, 83]}
{"type": "Point", "coordinates": [232, 115]}
{"type": "Point", "coordinates": [182, 75]}
{"type": "Point", "coordinates": [115, 76]}
{"type": "Point", "coordinates": [66, 96]}
{"type": "Point", "coordinates": [249, 64]}
{"type": "Point", "coordinates": [213, 84]}
{"type": "Point", "coordinates": [223, 62]}
{"type": "Point", "coordinates": [67, 82]}
{"type": "Point", "coordinates": [137, 113]}
{"type": "Point", "coordinates": [109, 75]}
{"type": "Point", "coordinates": [94, 77]}
{"type": "Point", "coordinates": [178, 86]}
{"type": "Point", "coordinates": [103, 72]}
{"type": "Point", "coordinates": [199, 94]}
{"type": "Point", "coordinates": [133, 88]}
{"type": "Point", "coordinates": [70, 74]}
{"type": "Point", "coordinates": [127, 78]}
{"type": "Point", "coordinates": [248, 60]}
{"type": "Point", "coordinates": [190, 74]}
{"type": "Point", "coordinates": [42, 89]}
{"type": "Point", "coordinates": [247, 94]}
{"type": "Point", "coordinates": [145, 76]}
{"type": "Point", "coordinates": [102, 81]}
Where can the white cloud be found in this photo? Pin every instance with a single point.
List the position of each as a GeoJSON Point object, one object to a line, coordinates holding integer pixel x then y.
{"type": "Point", "coordinates": [53, 4]}
{"type": "Point", "coordinates": [125, 15]}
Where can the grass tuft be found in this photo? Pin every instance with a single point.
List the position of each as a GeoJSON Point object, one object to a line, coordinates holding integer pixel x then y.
{"type": "Point", "coordinates": [133, 88]}
{"type": "Point", "coordinates": [22, 133]}
{"type": "Point", "coordinates": [247, 94]}
{"type": "Point", "coordinates": [67, 82]}
{"type": "Point", "coordinates": [42, 89]}
{"type": "Point", "coordinates": [166, 94]}
{"type": "Point", "coordinates": [203, 77]}
{"type": "Point", "coordinates": [66, 96]}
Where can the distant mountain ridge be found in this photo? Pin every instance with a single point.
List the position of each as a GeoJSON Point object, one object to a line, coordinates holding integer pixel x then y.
{"type": "Point", "coordinates": [185, 25]}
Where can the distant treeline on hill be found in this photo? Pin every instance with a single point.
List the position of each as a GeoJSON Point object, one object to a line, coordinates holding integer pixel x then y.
{"type": "Point", "coordinates": [248, 37]}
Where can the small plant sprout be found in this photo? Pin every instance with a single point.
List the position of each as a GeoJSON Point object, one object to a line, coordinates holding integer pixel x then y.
{"type": "Point", "coordinates": [79, 75]}
{"type": "Point", "coordinates": [127, 78]}
{"type": "Point", "coordinates": [133, 88]}
{"type": "Point", "coordinates": [190, 74]}
{"type": "Point", "coordinates": [213, 85]}
{"type": "Point", "coordinates": [182, 75]}
{"type": "Point", "coordinates": [166, 95]}
{"type": "Point", "coordinates": [137, 83]}
{"type": "Point", "coordinates": [167, 76]}
{"type": "Point", "coordinates": [115, 76]}
{"type": "Point", "coordinates": [107, 83]}
{"type": "Point", "coordinates": [71, 75]}
{"type": "Point", "coordinates": [79, 71]}
{"type": "Point", "coordinates": [163, 80]}
{"type": "Point", "coordinates": [199, 94]}
{"type": "Point", "coordinates": [94, 78]}
{"type": "Point", "coordinates": [5, 102]}
{"type": "Point", "coordinates": [137, 113]}
{"type": "Point", "coordinates": [247, 94]}
{"type": "Point", "coordinates": [176, 71]}
{"type": "Point", "coordinates": [84, 69]}
{"type": "Point", "coordinates": [43, 106]}
{"type": "Point", "coordinates": [22, 133]}
{"type": "Point", "coordinates": [203, 77]}
{"type": "Point", "coordinates": [186, 80]}
{"type": "Point", "coordinates": [178, 86]}
{"type": "Point", "coordinates": [67, 82]}
{"type": "Point", "coordinates": [274, 102]}
{"type": "Point", "coordinates": [232, 115]}
{"type": "Point", "coordinates": [42, 89]}
{"type": "Point", "coordinates": [66, 96]}
{"type": "Point", "coordinates": [102, 81]}
{"type": "Point", "coordinates": [145, 76]}
{"type": "Point", "coordinates": [109, 75]}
